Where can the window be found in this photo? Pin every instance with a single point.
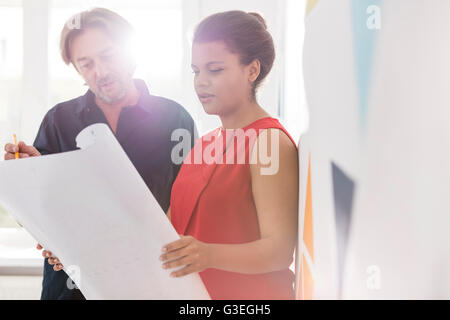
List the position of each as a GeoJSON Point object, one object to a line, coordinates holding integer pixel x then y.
{"type": "Point", "coordinates": [11, 48]}
{"type": "Point", "coordinates": [29, 89]}
{"type": "Point", "coordinates": [157, 45]}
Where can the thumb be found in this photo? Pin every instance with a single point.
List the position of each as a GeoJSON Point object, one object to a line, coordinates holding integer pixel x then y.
{"type": "Point", "coordinates": [39, 247]}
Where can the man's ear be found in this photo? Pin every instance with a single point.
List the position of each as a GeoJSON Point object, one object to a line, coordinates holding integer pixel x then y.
{"type": "Point", "coordinates": [254, 70]}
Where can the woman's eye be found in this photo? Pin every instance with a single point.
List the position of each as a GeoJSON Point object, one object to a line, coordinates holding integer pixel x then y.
{"type": "Point", "coordinates": [215, 70]}
{"type": "Point", "coordinates": [87, 66]}
{"type": "Point", "coordinates": [195, 72]}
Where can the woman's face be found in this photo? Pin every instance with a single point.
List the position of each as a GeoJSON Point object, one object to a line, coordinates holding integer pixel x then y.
{"type": "Point", "coordinates": [222, 83]}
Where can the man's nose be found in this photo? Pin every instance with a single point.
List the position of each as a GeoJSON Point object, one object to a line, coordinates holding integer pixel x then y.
{"type": "Point", "coordinates": [100, 70]}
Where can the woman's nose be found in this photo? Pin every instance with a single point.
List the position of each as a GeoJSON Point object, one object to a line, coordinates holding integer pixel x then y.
{"type": "Point", "coordinates": [202, 81]}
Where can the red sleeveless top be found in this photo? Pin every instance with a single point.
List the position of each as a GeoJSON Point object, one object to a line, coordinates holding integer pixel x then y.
{"type": "Point", "coordinates": [212, 201]}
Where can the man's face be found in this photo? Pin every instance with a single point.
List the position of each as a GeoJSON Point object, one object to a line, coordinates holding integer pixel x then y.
{"type": "Point", "coordinates": [104, 66]}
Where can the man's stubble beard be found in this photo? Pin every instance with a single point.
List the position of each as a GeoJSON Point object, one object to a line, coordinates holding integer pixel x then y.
{"type": "Point", "coordinates": [111, 100]}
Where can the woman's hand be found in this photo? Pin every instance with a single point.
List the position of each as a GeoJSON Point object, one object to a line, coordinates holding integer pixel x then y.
{"type": "Point", "coordinates": [54, 261]}
{"type": "Point", "coordinates": [189, 252]}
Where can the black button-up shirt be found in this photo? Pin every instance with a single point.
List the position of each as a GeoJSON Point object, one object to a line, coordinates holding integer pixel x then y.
{"type": "Point", "coordinates": [144, 131]}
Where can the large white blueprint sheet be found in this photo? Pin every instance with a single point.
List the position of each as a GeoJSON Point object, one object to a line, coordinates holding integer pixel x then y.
{"type": "Point", "coordinates": [92, 210]}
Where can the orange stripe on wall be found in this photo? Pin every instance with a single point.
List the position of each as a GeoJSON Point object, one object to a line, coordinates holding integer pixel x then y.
{"type": "Point", "coordinates": [310, 5]}
{"type": "Point", "coordinates": [306, 281]}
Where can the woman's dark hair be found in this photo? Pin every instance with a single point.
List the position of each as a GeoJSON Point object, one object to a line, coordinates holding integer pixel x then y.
{"type": "Point", "coordinates": [244, 34]}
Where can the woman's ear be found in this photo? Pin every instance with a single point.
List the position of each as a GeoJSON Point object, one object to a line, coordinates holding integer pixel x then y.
{"type": "Point", "coordinates": [254, 70]}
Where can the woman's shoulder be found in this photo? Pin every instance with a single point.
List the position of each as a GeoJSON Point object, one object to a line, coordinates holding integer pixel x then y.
{"type": "Point", "coordinates": [273, 127]}
{"type": "Point", "coordinates": [264, 123]}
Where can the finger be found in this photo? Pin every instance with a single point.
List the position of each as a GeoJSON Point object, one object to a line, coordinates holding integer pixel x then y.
{"type": "Point", "coordinates": [12, 156]}
{"type": "Point", "coordinates": [39, 247]}
{"type": "Point", "coordinates": [183, 242]}
{"type": "Point", "coordinates": [51, 261]}
{"type": "Point", "coordinates": [46, 254]}
{"type": "Point", "coordinates": [11, 148]}
{"type": "Point", "coordinates": [175, 254]}
{"type": "Point", "coordinates": [179, 262]}
{"type": "Point", "coordinates": [183, 272]}
{"type": "Point", "coordinates": [30, 150]}
{"type": "Point", "coordinates": [58, 267]}
{"type": "Point", "coordinates": [9, 156]}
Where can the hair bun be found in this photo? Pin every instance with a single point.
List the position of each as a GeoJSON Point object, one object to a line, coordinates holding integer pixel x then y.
{"type": "Point", "coordinates": [260, 18]}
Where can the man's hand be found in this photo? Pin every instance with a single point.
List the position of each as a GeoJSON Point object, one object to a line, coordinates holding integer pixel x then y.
{"type": "Point", "coordinates": [54, 261]}
{"type": "Point", "coordinates": [25, 151]}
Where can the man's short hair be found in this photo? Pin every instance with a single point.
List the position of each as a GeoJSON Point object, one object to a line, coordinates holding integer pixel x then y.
{"type": "Point", "coordinates": [113, 24]}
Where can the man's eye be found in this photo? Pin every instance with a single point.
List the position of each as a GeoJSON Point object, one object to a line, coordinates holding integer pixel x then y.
{"type": "Point", "coordinates": [107, 57]}
{"type": "Point", "coordinates": [87, 66]}
{"type": "Point", "coordinates": [195, 72]}
{"type": "Point", "coordinates": [215, 70]}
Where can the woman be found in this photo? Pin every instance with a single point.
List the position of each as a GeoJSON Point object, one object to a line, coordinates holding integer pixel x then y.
{"type": "Point", "coordinates": [238, 222]}
{"type": "Point", "coordinates": [239, 226]}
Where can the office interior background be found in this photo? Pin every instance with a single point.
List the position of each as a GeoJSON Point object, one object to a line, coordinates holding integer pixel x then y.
{"type": "Point", "coordinates": [33, 78]}
{"type": "Point", "coordinates": [374, 156]}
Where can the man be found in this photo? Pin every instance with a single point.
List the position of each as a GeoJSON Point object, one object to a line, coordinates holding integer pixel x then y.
{"type": "Point", "coordinates": [142, 123]}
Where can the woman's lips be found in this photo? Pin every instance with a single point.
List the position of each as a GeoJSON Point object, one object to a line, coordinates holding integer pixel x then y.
{"type": "Point", "coordinates": [205, 98]}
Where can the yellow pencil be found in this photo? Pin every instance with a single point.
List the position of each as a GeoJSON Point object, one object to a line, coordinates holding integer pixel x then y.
{"type": "Point", "coordinates": [15, 142]}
